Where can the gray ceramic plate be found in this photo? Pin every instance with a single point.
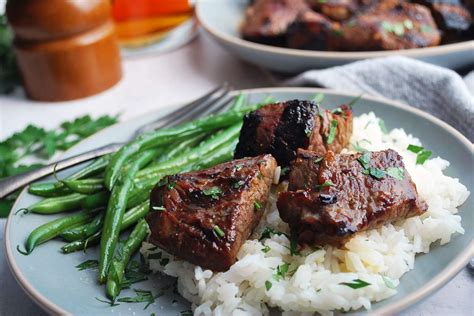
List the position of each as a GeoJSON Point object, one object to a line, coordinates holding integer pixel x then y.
{"type": "Point", "coordinates": [51, 279]}
{"type": "Point", "coordinates": [222, 18]}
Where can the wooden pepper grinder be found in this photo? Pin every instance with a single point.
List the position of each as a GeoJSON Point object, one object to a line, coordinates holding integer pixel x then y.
{"type": "Point", "coordinates": [65, 49]}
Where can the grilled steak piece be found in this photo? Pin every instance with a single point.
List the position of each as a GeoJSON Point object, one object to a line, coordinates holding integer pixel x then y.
{"type": "Point", "coordinates": [452, 17]}
{"type": "Point", "coordinates": [337, 10]}
{"type": "Point", "coordinates": [334, 197]}
{"type": "Point", "coordinates": [389, 26]}
{"type": "Point", "coordinates": [313, 31]}
{"type": "Point", "coordinates": [281, 128]}
{"type": "Point", "coordinates": [266, 21]}
{"type": "Point", "coordinates": [205, 216]}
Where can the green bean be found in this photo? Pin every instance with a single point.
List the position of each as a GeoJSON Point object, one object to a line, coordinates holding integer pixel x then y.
{"type": "Point", "coordinates": [222, 154]}
{"type": "Point", "coordinates": [53, 189]}
{"type": "Point", "coordinates": [239, 101]}
{"type": "Point", "coordinates": [116, 209]}
{"type": "Point", "coordinates": [129, 218]}
{"type": "Point", "coordinates": [195, 154]}
{"type": "Point", "coordinates": [52, 229]}
{"type": "Point", "coordinates": [170, 135]}
{"type": "Point", "coordinates": [60, 204]}
{"type": "Point", "coordinates": [179, 148]}
{"type": "Point", "coordinates": [85, 230]}
{"type": "Point", "coordinates": [48, 189]}
{"type": "Point", "coordinates": [96, 200]}
{"type": "Point", "coordinates": [86, 186]}
{"type": "Point", "coordinates": [118, 265]}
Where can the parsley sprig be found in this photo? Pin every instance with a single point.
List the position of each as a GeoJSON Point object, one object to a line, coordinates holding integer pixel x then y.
{"type": "Point", "coordinates": [421, 154]}
{"type": "Point", "coordinates": [36, 143]}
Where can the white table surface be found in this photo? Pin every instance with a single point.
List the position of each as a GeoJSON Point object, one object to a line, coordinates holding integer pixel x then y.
{"type": "Point", "coordinates": [151, 83]}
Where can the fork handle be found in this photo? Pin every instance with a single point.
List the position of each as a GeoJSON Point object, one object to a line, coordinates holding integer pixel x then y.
{"type": "Point", "coordinates": [13, 183]}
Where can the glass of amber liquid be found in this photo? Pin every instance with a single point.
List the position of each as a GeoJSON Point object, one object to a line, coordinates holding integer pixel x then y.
{"type": "Point", "coordinates": [153, 25]}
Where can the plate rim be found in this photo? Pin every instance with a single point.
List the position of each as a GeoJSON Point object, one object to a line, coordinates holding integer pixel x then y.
{"type": "Point", "coordinates": [330, 55]}
{"type": "Point", "coordinates": [435, 283]}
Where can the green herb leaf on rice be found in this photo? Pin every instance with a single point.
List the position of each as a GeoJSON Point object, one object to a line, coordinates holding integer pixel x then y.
{"type": "Point", "coordinates": [266, 249]}
{"type": "Point", "coordinates": [281, 271]}
{"type": "Point", "coordinates": [268, 285]}
{"type": "Point", "coordinates": [382, 126]}
{"type": "Point", "coordinates": [268, 232]}
{"type": "Point", "coordinates": [421, 154]}
{"type": "Point", "coordinates": [388, 282]}
{"type": "Point", "coordinates": [356, 284]}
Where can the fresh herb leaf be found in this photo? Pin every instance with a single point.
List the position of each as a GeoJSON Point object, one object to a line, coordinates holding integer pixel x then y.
{"type": "Point", "coordinates": [237, 167]}
{"type": "Point", "coordinates": [141, 296]}
{"type": "Point", "coordinates": [414, 148]}
{"type": "Point", "coordinates": [396, 172]}
{"type": "Point", "coordinates": [423, 156]}
{"type": "Point", "coordinates": [376, 173]}
{"type": "Point", "coordinates": [425, 28]}
{"type": "Point", "coordinates": [284, 171]}
{"type": "Point", "coordinates": [257, 205]}
{"type": "Point", "coordinates": [88, 264]}
{"type": "Point", "coordinates": [281, 271]}
{"type": "Point", "coordinates": [408, 24]}
{"type": "Point", "coordinates": [158, 208]}
{"type": "Point", "coordinates": [266, 249]}
{"type": "Point", "coordinates": [388, 282]}
{"type": "Point", "coordinates": [268, 285]}
{"type": "Point", "coordinates": [318, 160]}
{"type": "Point", "coordinates": [268, 232]}
{"type": "Point", "coordinates": [382, 126]}
{"type": "Point", "coordinates": [356, 284]}
{"type": "Point", "coordinates": [218, 231]}
{"type": "Point", "coordinates": [318, 98]}
{"type": "Point", "coordinates": [213, 192]}
{"type": "Point", "coordinates": [108, 302]}
{"type": "Point", "coordinates": [326, 184]}
{"type": "Point", "coordinates": [238, 184]}
{"type": "Point", "coordinates": [365, 160]}
{"type": "Point", "coordinates": [171, 185]}
{"type": "Point", "coordinates": [332, 132]}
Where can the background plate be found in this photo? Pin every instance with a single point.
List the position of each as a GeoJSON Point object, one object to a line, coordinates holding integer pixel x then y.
{"type": "Point", "coordinates": [52, 280]}
{"type": "Point", "coordinates": [222, 19]}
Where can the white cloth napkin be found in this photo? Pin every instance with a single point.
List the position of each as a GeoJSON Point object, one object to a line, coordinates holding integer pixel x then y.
{"type": "Point", "coordinates": [437, 90]}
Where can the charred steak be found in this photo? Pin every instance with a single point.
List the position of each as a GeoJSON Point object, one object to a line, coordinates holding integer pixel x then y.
{"type": "Point", "coordinates": [281, 128]}
{"type": "Point", "coordinates": [266, 21]}
{"type": "Point", "coordinates": [205, 216]}
{"type": "Point", "coordinates": [334, 196]}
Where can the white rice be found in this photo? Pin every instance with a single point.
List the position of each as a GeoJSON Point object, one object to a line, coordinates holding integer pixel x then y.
{"type": "Point", "coordinates": [379, 257]}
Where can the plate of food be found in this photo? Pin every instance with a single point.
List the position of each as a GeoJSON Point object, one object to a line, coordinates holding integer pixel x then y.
{"type": "Point", "coordinates": [293, 36]}
{"type": "Point", "coordinates": [296, 199]}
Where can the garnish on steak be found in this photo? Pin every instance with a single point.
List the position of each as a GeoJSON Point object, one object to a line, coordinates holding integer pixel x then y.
{"type": "Point", "coordinates": [205, 216]}
{"type": "Point", "coordinates": [341, 194]}
{"type": "Point", "coordinates": [281, 128]}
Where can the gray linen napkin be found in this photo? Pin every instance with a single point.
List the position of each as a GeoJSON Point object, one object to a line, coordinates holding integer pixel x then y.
{"type": "Point", "coordinates": [437, 90]}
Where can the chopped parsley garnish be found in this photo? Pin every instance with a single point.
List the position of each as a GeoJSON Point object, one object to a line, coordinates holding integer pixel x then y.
{"type": "Point", "coordinates": [382, 126]}
{"type": "Point", "coordinates": [421, 154]}
{"type": "Point", "coordinates": [376, 173]}
{"type": "Point", "coordinates": [357, 146]}
{"type": "Point", "coordinates": [318, 160]}
{"type": "Point", "coordinates": [365, 160]}
{"type": "Point", "coordinates": [268, 285]}
{"type": "Point", "coordinates": [281, 271]}
{"type": "Point", "coordinates": [268, 232]}
{"type": "Point", "coordinates": [257, 205]}
{"type": "Point", "coordinates": [425, 28]}
{"type": "Point", "coordinates": [408, 24]}
{"type": "Point", "coordinates": [326, 184]}
{"type": "Point", "coordinates": [158, 208]}
{"type": "Point", "coordinates": [218, 231]}
{"type": "Point", "coordinates": [266, 249]}
{"type": "Point", "coordinates": [396, 172]}
{"type": "Point", "coordinates": [171, 185]}
{"type": "Point", "coordinates": [356, 284]}
{"type": "Point", "coordinates": [237, 167]}
{"type": "Point", "coordinates": [337, 111]}
{"type": "Point", "coordinates": [213, 192]}
{"type": "Point", "coordinates": [332, 132]}
{"type": "Point", "coordinates": [318, 98]}
{"type": "Point", "coordinates": [88, 264]}
{"type": "Point", "coordinates": [284, 171]}
{"type": "Point", "coordinates": [141, 296]}
{"type": "Point", "coordinates": [395, 28]}
{"type": "Point", "coordinates": [238, 184]}
{"type": "Point", "coordinates": [388, 282]}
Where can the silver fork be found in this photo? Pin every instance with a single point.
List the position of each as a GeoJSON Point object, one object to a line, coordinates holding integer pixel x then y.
{"type": "Point", "coordinates": [213, 102]}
